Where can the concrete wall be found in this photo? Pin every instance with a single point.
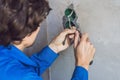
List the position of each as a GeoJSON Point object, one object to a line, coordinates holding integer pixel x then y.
{"type": "Point", "coordinates": [101, 20]}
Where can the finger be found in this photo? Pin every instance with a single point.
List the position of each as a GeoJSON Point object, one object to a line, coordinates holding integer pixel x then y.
{"type": "Point", "coordinates": [88, 40]}
{"type": "Point", "coordinates": [88, 47]}
{"type": "Point", "coordinates": [92, 51]}
{"type": "Point", "coordinates": [68, 31]}
{"type": "Point", "coordinates": [67, 41]}
{"type": "Point", "coordinates": [84, 37]}
{"type": "Point", "coordinates": [76, 41]}
{"type": "Point", "coordinates": [80, 34]}
{"type": "Point", "coordinates": [71, 36]}
{"type": "Point", "coordinates": [73, 27]}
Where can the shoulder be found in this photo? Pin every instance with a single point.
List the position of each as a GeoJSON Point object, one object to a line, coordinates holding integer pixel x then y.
{"type": "Point", "coordinates": [11, 69]}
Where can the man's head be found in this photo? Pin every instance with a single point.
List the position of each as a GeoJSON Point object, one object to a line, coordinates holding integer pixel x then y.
{"type": "Point", "coordinates": [20, 18]}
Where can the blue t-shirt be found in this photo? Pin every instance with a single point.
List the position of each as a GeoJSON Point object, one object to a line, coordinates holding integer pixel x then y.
{"type": "Point", "coordinates": [15, 65]}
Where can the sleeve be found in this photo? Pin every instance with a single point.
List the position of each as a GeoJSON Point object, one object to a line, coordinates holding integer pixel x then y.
{"type": "Point", "coordinates": [44, 58]}
{"type": "Point", "coordinates": [18, 72]}
{"type": "Point", "coordinates": [80, 73]}
{"type": "Point", "coordinates": [32, 76]}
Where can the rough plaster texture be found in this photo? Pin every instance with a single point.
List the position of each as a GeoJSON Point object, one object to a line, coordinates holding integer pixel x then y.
{"type": "Point", "coordinates": [101, 20]}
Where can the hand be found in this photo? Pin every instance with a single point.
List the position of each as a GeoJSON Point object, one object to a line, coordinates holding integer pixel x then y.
{"type": "Point", "coordinates": [84, 50]}
{"type": "Point", "coordinates": [57, 43]}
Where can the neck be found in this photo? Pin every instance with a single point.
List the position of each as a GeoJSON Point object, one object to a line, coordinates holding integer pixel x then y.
{"type": "Point", "coordinates": [20, 47]}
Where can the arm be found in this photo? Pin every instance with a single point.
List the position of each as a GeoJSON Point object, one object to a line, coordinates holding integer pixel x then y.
{"type": "Point", "coordinates": [44, 58]}
{"type": "Point", "coordinates": [84, 53]}
{"type": "Point", "coordinates": [80, 73]}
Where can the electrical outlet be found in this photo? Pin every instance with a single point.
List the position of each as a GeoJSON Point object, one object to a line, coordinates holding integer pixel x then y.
{"type": "Point", "coordinates": [70, 17]}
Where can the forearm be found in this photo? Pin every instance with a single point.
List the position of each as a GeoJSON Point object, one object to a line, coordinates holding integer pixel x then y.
{"type": "Point", "coordinates": [45, 58]}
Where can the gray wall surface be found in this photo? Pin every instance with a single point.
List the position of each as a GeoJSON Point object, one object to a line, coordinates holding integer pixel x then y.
{"type": "Point", "coordinates": [101, 20]}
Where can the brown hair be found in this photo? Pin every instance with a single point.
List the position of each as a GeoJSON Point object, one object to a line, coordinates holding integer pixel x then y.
{"type": "Point", "coordinates": [19, 18]}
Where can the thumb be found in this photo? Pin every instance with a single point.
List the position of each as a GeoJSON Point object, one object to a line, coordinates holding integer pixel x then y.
{"type": "Point", "coordinates": [76, 41]}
